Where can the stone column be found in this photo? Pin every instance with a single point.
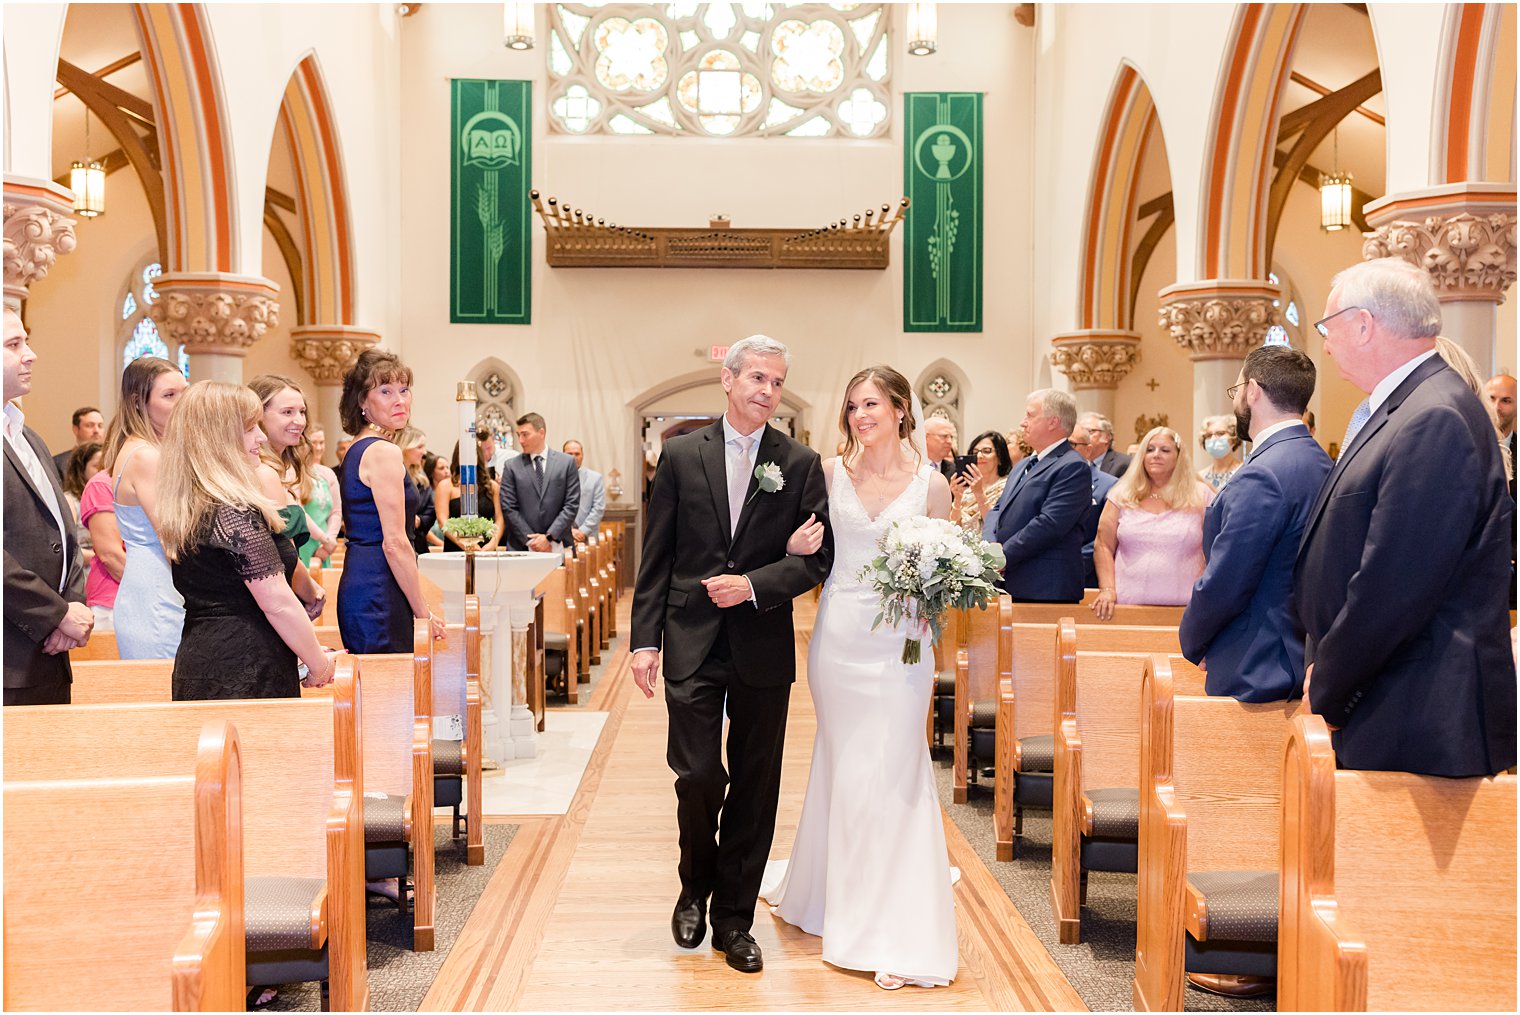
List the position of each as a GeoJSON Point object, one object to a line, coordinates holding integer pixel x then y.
{"type": "Point", "coordinates": [1094, 362]}
{"type": "Point", "coordinates": [37, 230]}
{"type": "Point", "coordinates": [1464, 235]}
{"type": "Point", "coordinates": [216, 316]}
{"type": "Point", "coordinates": [1218, 321]}
{"type": "Point", "coordinates": [327, 351]}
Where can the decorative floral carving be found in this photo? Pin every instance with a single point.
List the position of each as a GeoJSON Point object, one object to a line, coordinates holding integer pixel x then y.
{"type": "Point", "coordinates": [1218, 326]}
{"type": "Point", "coordinates": [204, 318]}
{"type": "Point", "coordinates": [1092, 362]}
{"type": "Point", "coordinates": [327, 354]}
{"type": "Point", "coordinates": [35, 235]}
{"type": "Point", "coordinates": [1467, 255]}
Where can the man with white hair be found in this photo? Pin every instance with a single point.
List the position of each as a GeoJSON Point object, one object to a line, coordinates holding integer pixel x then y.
{"type": "Point", "coordinates": [1405, 555]}
{"type": "Point", "coordinates": [1100, 453]}
{"type": "Point", "coordinates": [939, 444]}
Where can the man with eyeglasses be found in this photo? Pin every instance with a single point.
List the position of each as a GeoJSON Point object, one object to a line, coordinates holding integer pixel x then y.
{"type": "Point", "coordinates": [1100, 453]}
{"type": "Point", "coordinates": [1102, 482]}
{"type": "Point", "coordinates": [1401, 574]}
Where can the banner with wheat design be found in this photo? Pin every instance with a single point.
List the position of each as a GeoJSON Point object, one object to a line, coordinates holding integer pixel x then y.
{"type": "Point", "coordinates": [491, 242]}
{"type": "Point", "coordinates": [942, 239]}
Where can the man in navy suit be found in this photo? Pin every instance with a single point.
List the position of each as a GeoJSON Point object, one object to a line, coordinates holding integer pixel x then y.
{"type": "Point", "coordinates": [1241, 622]}
{"type": "Point", "coordinates": [1401, 574]}
{"type": "Point", "coordinates": [1044, 503]}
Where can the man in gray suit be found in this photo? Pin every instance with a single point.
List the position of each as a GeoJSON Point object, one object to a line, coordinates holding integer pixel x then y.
{"type": "Point", "coordinates": [593, 494]}
{"type": "Point", "coordinates": [540, 491]}
{"type": "Point", "coordinates": [45, 614]}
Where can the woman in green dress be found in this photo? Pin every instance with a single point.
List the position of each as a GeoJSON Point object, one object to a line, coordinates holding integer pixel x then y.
{"type": "Point", "coordinates": [324, 504]}
{"type": "Point", "coordinates": [283, 471]}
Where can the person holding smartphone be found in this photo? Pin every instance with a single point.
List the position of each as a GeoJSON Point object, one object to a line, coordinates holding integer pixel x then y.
{"type": "Point", "coordinates": [979, 479]}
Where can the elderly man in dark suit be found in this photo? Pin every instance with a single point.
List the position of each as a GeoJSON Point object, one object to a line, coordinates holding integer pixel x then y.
{"type": "Point", "coordinates": [45, 615]}
{"type": "Point", "coordinates": [1044, 503]}
{"type": "Point", "coordinates": [1100, 453]}
{"type": "Point", "coordinates": [1102, 483]}
{"type": "Point", "coordinates": [1241, 622]}
{"type": "Point", "coordinates": [1400, 577]}
{"type": "Point", "coordinates": [540, 491]}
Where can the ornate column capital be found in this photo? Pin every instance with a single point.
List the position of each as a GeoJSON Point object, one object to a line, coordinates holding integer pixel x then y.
{"type": "Point", "coordinates": [214, 312]}
{"type": "Point", "coordinates": [1219, 318]}
{"type": "Point", "coordinates": [37, 230]}
{"type": "Point", "coordinates": [1095, 358]}
{"type": "Point", "coordinates": [327, 351]}
{"type": "Point", "coordinates": [1463, 234]}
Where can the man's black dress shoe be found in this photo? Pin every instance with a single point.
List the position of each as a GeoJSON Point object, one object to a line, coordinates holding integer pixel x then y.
{"type": "Point", "coordinates": [688, 924]}
{"type": "Point", "coordinates": [743, 954]}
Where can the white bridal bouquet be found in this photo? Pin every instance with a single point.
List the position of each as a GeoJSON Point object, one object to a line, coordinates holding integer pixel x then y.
{"type": "Point", "coordinates": [927, 567]}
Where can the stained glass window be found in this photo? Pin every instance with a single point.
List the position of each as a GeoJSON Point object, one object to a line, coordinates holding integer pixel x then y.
{"type": "Point", "coordinates": [140, 336]}
{"type": "Point", "coordinates": [1287, 331]}
{"type": "Point", "coordinates": [1292, 313]}
{"type": "Point", "coordinates": [128, 306]}
{"type": "Point", "coordinates": [721, 69]}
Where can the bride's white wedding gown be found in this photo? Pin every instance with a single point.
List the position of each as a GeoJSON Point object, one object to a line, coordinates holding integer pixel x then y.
{"type": "Point", "coordinates": [869, 872]}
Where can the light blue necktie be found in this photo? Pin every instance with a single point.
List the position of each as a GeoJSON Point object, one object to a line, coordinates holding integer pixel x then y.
{"type": "Point", "coordinates": [1358, 419]}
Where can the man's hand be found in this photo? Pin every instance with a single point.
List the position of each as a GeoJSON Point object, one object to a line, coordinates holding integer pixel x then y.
{"type": "Point", "coordinates": [72, 632]}
{"type": "Point", "coordinates": [1203, 666]}
{"type": "Point", "coordinates": [580, 537]}
{"type": "Point", "coordinates": [538, 543]}
{"type": "Point", "coordinates": [1309, 705]}
{"type": "Point", "coordinates": [646, 670]}
{"type": "Point", "coordinates": [727, 590]}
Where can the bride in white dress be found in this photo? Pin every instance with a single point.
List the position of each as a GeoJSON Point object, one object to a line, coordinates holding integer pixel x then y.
{"type": "Point", "coordinates": [869, 872]}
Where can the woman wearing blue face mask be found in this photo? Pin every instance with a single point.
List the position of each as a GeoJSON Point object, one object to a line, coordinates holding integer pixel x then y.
{"type": "Point", "coordinates": [1222, 446]}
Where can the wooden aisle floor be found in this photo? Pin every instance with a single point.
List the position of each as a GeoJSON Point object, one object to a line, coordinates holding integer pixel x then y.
{"type": "Point", "coordinates": [577, 916]}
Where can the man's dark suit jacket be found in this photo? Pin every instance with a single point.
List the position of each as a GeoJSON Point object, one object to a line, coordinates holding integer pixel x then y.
{"type": "Point", "coordinates": [1102, 482]}
{"type": "Point", "coordinates": [1400, 586]}
{"type": "Point", "coordinates": [686, 539]}
{"type": "Point", "coordinates": [61, 462]}
{"type": "Point", "coordinates": [36, 558]}
{"type": "Point", "coordinates": [1114, 462]}
{"type": "Point", "coordinates": [1040, 526]}
{"type": "Point", "coordinates": [1241, 617]}
{"type": "Point", "coordinates": [532, 505]}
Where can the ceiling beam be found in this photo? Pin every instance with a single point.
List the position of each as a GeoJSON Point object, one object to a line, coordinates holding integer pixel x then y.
{"type": "Point", "coordinates": [1342, 102]}
{"type": "Point", "coordinates": [107, 70]}
{"type": "Point", "coordinates": [1165, 214]}
{"type": "Point", "coordinates": [290, 251]}
{"type": "Point", "coordinates": [279, 199]}
{"type": "Point", "coordinates": [74, 78]}
{"type": "Point", "coordinates": [1319, 89]}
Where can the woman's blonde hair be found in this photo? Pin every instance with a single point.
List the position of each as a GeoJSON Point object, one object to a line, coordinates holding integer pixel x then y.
{"type": "Point", "coordinates": [1182, 492]}
{"type": "Point", "coordinates": [202, 464]}
{"type": "Point", "coordinates": [412, 437]}
{"type": "Point", "coordinates": [131, 418]}
{"type": "Point", "coordinates": [295, 460]}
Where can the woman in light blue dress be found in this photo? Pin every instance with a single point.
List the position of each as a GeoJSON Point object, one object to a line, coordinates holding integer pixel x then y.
{"type": "Point", "coordinates": [149, 611]}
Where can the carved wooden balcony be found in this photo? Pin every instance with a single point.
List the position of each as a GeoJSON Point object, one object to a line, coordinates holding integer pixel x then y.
{"type": "Point", "coordinates": [577, 239]}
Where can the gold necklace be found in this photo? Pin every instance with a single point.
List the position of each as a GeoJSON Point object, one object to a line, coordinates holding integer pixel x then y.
{"type": "Point", "coordinates": [383, 433]}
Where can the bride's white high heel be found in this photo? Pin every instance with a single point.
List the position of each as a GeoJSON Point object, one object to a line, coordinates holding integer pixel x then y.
{"type": "Point", "coordinates": [891, 981]}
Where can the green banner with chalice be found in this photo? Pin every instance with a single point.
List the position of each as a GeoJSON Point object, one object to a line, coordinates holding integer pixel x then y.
{"type": "Point", "coordinates": [490, 235]}
{"type": "Point", "coordinates": [942, 241]}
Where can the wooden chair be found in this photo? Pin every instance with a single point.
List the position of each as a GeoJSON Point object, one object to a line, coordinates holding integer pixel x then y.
{"type": "Point", "coordinates": [1025, 749]}
{"type": "Point", "coordinates": [1095, 805]}
{"type": "Point", "coordinates": [1398, 890]}
{"type": "Point", "coordinates": [456, 692]}
{"type": "Point", "coordinates": [975, 697]}
{"type": "Point", "coordinates": [1210, 810]}
{"type": "Point", "coordinates": [126, 892]}
{"type": "Point", "coordinates": [302, 799]}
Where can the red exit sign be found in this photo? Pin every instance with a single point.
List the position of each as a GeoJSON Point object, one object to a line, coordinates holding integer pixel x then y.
{"type": "Point", "coordinates": [717, 353]}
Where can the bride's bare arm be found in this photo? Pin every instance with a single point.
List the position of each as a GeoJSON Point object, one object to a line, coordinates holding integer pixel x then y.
{"type": "Point", "coordinates": [939, 496]}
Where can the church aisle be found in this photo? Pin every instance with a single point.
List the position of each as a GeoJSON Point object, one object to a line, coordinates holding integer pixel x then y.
{"type": "Point", "coordinates": [577, 918]}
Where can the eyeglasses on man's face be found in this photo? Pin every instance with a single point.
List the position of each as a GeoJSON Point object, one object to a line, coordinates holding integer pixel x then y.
{"type": "Point", "coordinates": [1234, 389]}
{"type": "Point", "coordinates": [1319, 325]}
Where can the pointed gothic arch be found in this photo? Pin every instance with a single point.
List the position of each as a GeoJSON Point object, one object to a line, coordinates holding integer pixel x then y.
{"type": "Point", "coordinates": [1473, 134]}
{"type": "Point", "coordinates": [942, 389]}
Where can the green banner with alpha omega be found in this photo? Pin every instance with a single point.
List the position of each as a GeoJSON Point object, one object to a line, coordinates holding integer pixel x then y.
{"type": "Point", "coordinates": [490, 240]}
{"type": "Point", "coordinates": [942, 247]}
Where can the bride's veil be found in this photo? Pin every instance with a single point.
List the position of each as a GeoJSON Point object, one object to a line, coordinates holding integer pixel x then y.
{"type": "Point", "coordinates": [916, 438]}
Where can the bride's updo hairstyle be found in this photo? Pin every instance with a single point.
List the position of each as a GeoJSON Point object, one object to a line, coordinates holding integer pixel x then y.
{"type": "Point", "coordinates": [897, 390]}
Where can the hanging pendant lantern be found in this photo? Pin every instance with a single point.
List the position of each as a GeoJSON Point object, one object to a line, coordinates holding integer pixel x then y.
{"type": "Point", "coordinates": [517, 25]}
{"type": "Point", "coordinates": [87, 179]}
{"type": "Point", "coordinates": [923, 29]}
{"type": "Point", "coordinates": [1335, 195]}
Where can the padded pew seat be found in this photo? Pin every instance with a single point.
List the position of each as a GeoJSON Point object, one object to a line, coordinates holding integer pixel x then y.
{"type": "Point", "coordinates": [448, 758]}
{"type": "Point", "coordinates": [279, 912]}
{"type": "Point", "coordinates": [384, 818]}
{"type": "Point", "coordinates": [1232, 923]}
{"type": "Point", "coordinates": [1111, 832]}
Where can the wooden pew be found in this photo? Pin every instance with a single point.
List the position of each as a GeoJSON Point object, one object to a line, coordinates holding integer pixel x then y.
{"type": "Point", "coordinates": [102, 645]}
{"type": "Point", "coordinates": [331, 577]}
{"type": "Point", "coordinates": [1398, 890]}
{"type": "Point", "coordinates": [561, 618]}
{"type": "Point", "coordinates": [126, 892]}
{"type": "Point", "coordinates": [975, 689]}
{"type": "Point", "coordinates": [1095, 782]}
{"type": "Point", "coordinates": [1210, 802]}
{"type": "Point", "coordinates": [456, 691]}
{"type": "Point", "coordinates": [1124, 615]}
{"type": "Point", "coordinates": [1026, 707]}
{"type": "Point", "coordinates": [302, 797]}
{"type": "Point", "coordinates": [591, 643]}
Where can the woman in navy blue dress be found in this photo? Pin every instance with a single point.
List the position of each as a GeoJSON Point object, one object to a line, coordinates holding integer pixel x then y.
{"type": "Point", "coordinates": [381, 590]}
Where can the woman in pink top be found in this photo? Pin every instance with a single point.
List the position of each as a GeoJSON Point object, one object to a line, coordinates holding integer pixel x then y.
{"type": "Point", "coordinates": [1149, 549]}
{"type": "Point", "coordinates": [97, 512]}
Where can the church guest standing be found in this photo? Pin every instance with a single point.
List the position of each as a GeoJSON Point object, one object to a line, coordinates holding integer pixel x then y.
{"type": "Point", "coordinates": [1400, 576]}
{"type": "Point", "coordinates": [981, 486]}
{"type": "Point", "coordinates": [1039, 517]}
{"type": "Point", "coordinates": [89, 428]}
{"type": "Point", "coordinates": [324, 504]}
{"type": "Point", "coordinates": [1241, 621]}
{"type": "Point", "coordinates": [1100, 452]}
{"type": "Point", "coordinates": [381, 590]}
{"type": "Point", "coordinates": [419, 490]}
{"type": "Point", "coordinates": [97, 512]}
{"type": "Point", "coordinates": [1220, 440]}
{"type": "Point", "coordinates": [232, 561]}
{"type": "Point", "coordinates": [1149, 549]}
{"type": "Point", "coordinates": [283, 473]}
{"type": "Point", "coordinates": [45, 614]}
{"type": "Point", "coordinates": [1102, 484]}
{"type": "Point", "coordinates": [588, 518]}
{"type": "Point", "coordinates": [939, 444]}
{"type": "Point", "coordinates": [149, 612]}
{"type": "Point", "coordinates": [540, 492]}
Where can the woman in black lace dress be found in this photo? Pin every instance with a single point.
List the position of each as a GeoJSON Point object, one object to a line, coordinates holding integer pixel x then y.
{"type": "Point", "coordinates": [244, 627]}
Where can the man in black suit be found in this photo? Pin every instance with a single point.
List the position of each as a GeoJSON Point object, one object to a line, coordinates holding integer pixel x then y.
{"type": "Point", "coordinates": [540, 491]}
{"type": "Point", "coordinates": [1102, 483]}
{"type": "Point", "coordinates": [1044, 504]}
{"type": "Point", "coordinates": [45, 615]}
{"type": "Point", "coordinates": [89, 425]}
{"type": "Point", "coordinates": [715, 590]}
{"type": "Point", "coordinates": [1401, 572]}
{"type": "Point", "coordinates": [939, 445]}
{"type": "Point", "coordinates": [1100, 453]}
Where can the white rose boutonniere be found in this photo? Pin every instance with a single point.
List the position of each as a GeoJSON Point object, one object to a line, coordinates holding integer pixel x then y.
{"type": "Point", "coordinates": [770, 477]}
